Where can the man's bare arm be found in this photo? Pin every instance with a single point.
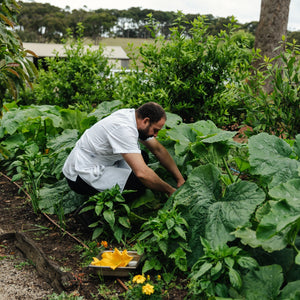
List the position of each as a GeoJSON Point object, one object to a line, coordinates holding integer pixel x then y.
{"type": "Point", "coordinates": [146, 175]}
{"type": "Point", "coordinates": [165, 159]}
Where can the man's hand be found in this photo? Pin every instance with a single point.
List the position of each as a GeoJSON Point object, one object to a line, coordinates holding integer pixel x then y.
{"type": "Point", "coordinates": [180, 182]}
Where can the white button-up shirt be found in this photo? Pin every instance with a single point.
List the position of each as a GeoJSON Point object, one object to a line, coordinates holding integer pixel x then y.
{"type": "Point", "coordinates": [97, 158]}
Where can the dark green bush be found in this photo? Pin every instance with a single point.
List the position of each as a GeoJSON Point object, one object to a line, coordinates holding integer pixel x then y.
{"type": "Point", "coordinates": [277, 112]}
{"type": "Point", "coordinates": [80, 78]}
{"type": "Point", "coordinates": [190, 74]}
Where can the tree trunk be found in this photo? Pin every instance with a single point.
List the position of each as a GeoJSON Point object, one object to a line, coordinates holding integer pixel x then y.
{"type": "Point", "coordinates": [272, 26]}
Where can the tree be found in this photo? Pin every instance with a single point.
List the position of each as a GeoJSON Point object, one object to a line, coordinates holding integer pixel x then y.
{"type": "Point", "coordinates": [271, 27]}
{"type": "Point", "coordinates": [41, 22]}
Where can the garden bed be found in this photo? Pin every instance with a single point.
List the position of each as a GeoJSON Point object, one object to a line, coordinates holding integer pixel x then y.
{"type": "Point", "coordinates": [16, 215]}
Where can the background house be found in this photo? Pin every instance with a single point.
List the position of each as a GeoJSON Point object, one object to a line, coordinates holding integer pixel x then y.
{"type": "Point", "coordinates": [115, 54]}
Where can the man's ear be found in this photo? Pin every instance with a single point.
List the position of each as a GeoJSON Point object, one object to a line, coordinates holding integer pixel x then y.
{"type": "Point", "coordinates": [146, 121]}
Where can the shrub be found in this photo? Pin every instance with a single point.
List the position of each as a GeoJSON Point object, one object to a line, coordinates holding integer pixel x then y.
{"type": "Point", "coordinates": [79, 79]}
{"type": "Point", "coordinates": [276, 112]}
{"type": "Point", "coordinates": [188, 75]}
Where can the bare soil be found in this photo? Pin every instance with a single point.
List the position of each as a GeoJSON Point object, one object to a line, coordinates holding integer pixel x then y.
{"type": "Point", "coordinates": [20, 278]}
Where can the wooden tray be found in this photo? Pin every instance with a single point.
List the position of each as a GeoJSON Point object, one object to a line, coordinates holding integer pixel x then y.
{"type": "Point", "coordinates": [120, 271]}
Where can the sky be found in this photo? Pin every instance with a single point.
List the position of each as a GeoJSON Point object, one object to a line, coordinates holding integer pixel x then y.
{"type": "Point", "coordinates": [243, 10]}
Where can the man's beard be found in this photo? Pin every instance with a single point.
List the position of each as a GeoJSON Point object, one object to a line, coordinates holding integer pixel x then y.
{"type": "Point", "coordinates": [144, 133]}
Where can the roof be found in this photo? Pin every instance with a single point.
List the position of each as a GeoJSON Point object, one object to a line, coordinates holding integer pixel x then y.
{"type": "Point", "coordinates": [49, 50]}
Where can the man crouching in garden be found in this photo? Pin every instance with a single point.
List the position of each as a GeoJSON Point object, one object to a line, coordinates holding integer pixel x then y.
{"type": "Point", "coordinates": [108, 153]}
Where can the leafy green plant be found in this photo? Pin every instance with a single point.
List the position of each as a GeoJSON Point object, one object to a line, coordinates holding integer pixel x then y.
{"type": "Point", "coordinates": [189, 72]}
{"type": "Point", "coordinates": [143, 287]}
{"type": "Point", "coordinates": [31, 167]}
{"type": "Point", "coordinates": [23, 264]}
{"type": "Point", "coordinates": [277, 164]}
{"type": "Point", "coordinates": [15, 68]}
{"type": "Point", "coordinates": [92, 250]}
{"type": "Point", "coordinates": [211, 273]}
{"type": "Point", "coordinates": [200, 143]}
{"type": "Point", "coordinates": [106, 293]}
{"type": "Point", "coordinates": [213, 211]}
{"type": "Point", "coordinates": [64, 296]}
{"type": "Point", "coordinates": [163, 242]}
{"type": "Point", "coordinates": [112, 213]}
{"type": "Point", "coordinates": [268, 282]}
{"type": "Point", "coordinates": [275, 112]}
{"type": "Point", "coordinates": [81, 79]}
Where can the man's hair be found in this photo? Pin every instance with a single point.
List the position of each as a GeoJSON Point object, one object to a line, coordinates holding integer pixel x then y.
{"type": "Point", "coordinates": [151, 110]}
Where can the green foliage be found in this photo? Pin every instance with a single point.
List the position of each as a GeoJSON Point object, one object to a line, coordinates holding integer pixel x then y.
{"type": "Point", "coordinates": [143, 288]}
{"type": "Point", "coordinates": [34, 144]}
{"type": "Point", "coordinates": [275, 160]}
{"type": "Point", "coordinates": [64, 296]}
{"type": "Point", "coordinates": [163, 242]}
{"type": "Point", "coordinates": [199, 143]}
{"type": "Point", "coordinates": [15, 69]}
{"type": "Point", "coordinates": [31, 167]}
{"type": "Point", "coordinates": [101, 23]}
{"type": "Point", "coordinates": [87, 253]}
{"type": "Point", "coordinates": [276, 112]}
{"type": "Point", "coordinates": [213, 212]}
{"type": "Point", "coordinates": [189, 75]}
{"type": "Point", "coordinates": [80, 78]}
{"type": "Point", "coordinates": [277, 163]}
{"type": "Point", "coordinates": [112, 214]}
{"type": "Point", "coordinates": [219, 266]}
{"type": "Point", "coordinates": [58, 198]}
{"type": "Point", "coordinates": [259, 214]}
{"type": "Point", "coordinates": [264, 283]}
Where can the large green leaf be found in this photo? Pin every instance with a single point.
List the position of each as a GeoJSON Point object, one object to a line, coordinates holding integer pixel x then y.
{"type": "Point", "coordinates": [291, 291]}
{"type": "Point", "coordinates": [284, 216]}
{"type": "Point", "coordinates": [264, 283]}
{"type": "Point", "coordinates": [183, 135]}
{"type": "Point", "coordinates": [59, 196]}
{"type": "Point", "coordinates": [248, 237]}
{"type": "Point", "coordinates": [172, 120]}
{"type": "Point", "coordinates": [66, 140]}
{"type": "Point", "coordinates": [297, 146]}
{"type": "Point", "coordinates": [60, 147]}
{"type": "Point", "coordinates": [201, 141]}
{"type": "Point", "coordinates": [20, 118]}
{"type": "Point", "coordinates": [208, 212]}
{"type": "Point", "coordinates": [106, 108]}
{"type": "Point", "coordinates": [232, 211]}
{"type": "Point", "coordinates": [270, 157]}
{"type": "Point", "coordinates": [72, 118]}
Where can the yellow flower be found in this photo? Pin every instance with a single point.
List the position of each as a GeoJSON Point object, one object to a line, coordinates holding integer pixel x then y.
{"type": "Point", "coordinates": [113, 259]}
{"type": "Point", "coordinates": [158, 277]}
{"type": "Point", "coordinates": [148, 277]}
{"type": "Point", "coordinates": [104, 244]}
{"type": "Point", "coordinates": [148, 289]}
{"type": "Point", "coordinates": [139, 279]}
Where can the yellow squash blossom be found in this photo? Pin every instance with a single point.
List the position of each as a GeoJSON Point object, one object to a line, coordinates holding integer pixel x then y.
{"type": "Point", "coordinates": [139, 279]}
{"type": "Point", "coordinates": [113, 259]}
{"type": "Point", "coordinates": [148, 289]}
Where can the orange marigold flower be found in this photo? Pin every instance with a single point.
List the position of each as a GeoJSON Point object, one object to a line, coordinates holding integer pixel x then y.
{"type": "Point", "coordinates": [139, 279]}
{"type": "Point", "coordinates": [148, 289]}
{"type": "Point", "coordinates": [104, 244]}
